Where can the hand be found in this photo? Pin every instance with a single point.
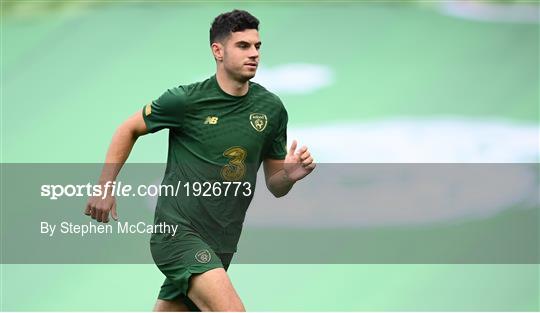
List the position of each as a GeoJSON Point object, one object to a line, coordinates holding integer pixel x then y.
{"type": "Point", "coordinates": [298, 165]}
{"type": "Point", "coordinates": [99, 208]}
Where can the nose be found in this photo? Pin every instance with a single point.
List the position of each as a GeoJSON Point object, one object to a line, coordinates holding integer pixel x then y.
{"type": "Point", "coordinates": [253, 52]}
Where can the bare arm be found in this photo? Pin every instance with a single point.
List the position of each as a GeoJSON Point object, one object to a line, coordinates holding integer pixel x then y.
{"type": "Point", "coordinates": [277, 181]}
{"type": "Point", "coordinates": [282, 174]}
{"type": "Point", "coordinates": [122, 142]}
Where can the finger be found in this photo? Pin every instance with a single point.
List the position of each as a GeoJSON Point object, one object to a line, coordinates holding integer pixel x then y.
{"type": "Point", "coordinates": [293, 147]}
{"type": "Point", "coordinates": [114, 214]}
{"type": "Point", "coordinates": [302, 150]}
{"type": "Point", "coordinates": [93, 214]}
{"type": "Point", "coordinates": [305, 155]}
{"type": "Point", "coordinates": [105, 216]}
{"type": "Point", "coordinates": [307, 161]}
{"type": "Point", "coordinates": [88, 209]}
{"type": "Point", "coordinates": [310, 167]}
{"type": "Point", "coordinates": [98, 215]}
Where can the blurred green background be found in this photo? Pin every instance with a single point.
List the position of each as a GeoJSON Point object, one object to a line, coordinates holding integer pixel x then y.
{"type": "Point", "coordinates": [72, 71]}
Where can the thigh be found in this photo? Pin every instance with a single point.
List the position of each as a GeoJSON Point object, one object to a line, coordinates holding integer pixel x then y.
{"type": "Point", "coordinates": [171, 298]}
{"type": "Point", "coordinates": [171, 295]}
{"type": "Point", "coordinates": [213, 291]}
{"type": "Point", "coordinates": [180, 260]}
{"type": "Point", "coordinates": [176, 305]}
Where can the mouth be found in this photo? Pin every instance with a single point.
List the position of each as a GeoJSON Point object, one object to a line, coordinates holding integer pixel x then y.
{"type": "Point", "coordinates": [251, 65]}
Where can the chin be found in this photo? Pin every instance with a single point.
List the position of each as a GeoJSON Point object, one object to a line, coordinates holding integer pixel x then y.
{"type": "Point", "coordinates": [250, 75]}
{"type": "Point", "coordinates": [244, 77]}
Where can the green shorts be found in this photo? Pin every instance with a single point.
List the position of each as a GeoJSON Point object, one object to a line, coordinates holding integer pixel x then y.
{"type": "Point", "coordinates": [179, 258]}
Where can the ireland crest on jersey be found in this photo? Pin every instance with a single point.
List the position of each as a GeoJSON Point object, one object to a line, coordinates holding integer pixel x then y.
{"type": "Point", "coordinates": [258, 121]}
{"type": "Point", "coordinates": [203, 256]}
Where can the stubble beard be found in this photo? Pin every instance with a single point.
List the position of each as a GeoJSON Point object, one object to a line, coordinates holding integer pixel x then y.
{"type": "Point", "coordinates": [241, 77]}
{"type": "Point", "coordinates": [239, 74]}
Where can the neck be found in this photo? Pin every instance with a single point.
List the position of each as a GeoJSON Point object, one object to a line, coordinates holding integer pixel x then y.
{"type": "Point", "coordinates": [231, 86]}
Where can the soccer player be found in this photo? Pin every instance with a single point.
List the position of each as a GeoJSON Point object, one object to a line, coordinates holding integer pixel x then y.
{"type": "Point", "coordinates": [220, 130]}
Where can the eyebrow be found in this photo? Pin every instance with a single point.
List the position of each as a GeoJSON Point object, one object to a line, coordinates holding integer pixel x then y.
{"type": "Point", "coordinates": [242, 41]}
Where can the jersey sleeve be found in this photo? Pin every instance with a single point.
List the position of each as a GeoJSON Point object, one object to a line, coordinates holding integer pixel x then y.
{"type": "Point", "coordinates": [167, 111]}
{"type": "Point", "coordinates": [278, 146]}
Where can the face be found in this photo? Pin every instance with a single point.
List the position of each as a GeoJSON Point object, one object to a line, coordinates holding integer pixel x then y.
{"type": "Point", "coordinates": [238, 56]}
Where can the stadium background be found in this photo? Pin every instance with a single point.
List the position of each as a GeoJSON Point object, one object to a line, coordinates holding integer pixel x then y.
{"type": "Point", "coordinates": [72, 71]}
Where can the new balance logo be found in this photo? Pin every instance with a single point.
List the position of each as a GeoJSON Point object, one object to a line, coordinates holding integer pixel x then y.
{"type": "Point", "coordinates": [212, 120]}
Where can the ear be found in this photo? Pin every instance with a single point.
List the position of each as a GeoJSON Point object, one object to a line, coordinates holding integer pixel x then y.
{"type": "Point", "coordinates": [217, 51]}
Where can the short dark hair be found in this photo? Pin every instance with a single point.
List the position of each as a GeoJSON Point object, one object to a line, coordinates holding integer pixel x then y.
{"type": "Point", "coordinates": [230, 22]}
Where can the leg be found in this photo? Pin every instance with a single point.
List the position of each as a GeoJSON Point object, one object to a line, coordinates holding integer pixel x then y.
{"type": "Point", "coordinates": [170, 306]}
{"type": "Point", "coordinates": [213, 291]}
{"type": "Point", "coordinates": [194, 270]}
{"type": "Point", "coordinates": [170, 299]}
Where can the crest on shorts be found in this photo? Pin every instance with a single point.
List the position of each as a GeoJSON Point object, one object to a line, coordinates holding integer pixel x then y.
{"type": "Point", "coordinates": [148, 109]}
{"type": "Point", "coordinates": [203, 256]}
{"type": "Point", "coordinates": [258, 121]}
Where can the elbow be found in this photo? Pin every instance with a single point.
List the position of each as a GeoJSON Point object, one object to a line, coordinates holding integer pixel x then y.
{"type": "Point", "coordinates": [277, 190]}
{"type": "Point", "coordinates": [273, 190]}
{"type": "Point", "coordinates": [277, 193]}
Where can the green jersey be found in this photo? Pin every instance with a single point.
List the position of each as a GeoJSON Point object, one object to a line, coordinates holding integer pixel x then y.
{"type": "Point", "coordinates": [216, 145]}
